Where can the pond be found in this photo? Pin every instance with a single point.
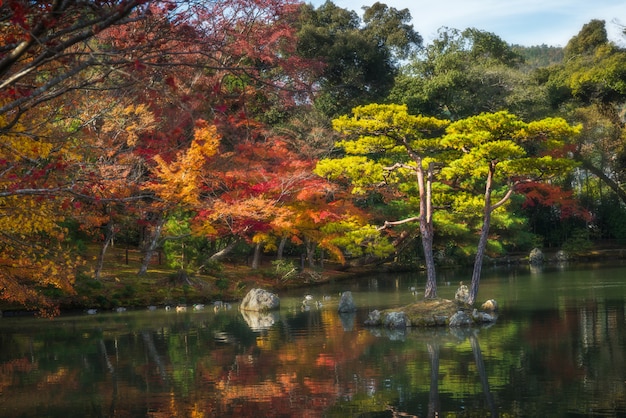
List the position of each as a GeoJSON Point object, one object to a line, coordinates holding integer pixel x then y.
{"type": "Point", "coordinates": [556, 350]}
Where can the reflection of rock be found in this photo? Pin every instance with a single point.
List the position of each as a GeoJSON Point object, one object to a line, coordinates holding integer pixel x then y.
{"type": "Point", "coordinates": [346, 304]}
{"type": "Point", "coordinates": [462, 294]}
{"type": "Point", "coordinates": [259, 300]}
{"type": "Point", "coordinates": [390, 334]}
{"type": "Point", "coordinates": [259, 321]}
{"type": "Point", "coordinates": [347, 320]}
{"type": "Point", "coordinates": [535, 269]}
{"type": "Point", "coordinates": [395, 334]}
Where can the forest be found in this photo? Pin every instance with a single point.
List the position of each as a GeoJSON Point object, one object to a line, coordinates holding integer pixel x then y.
{"type": "Point", "coordinates": [235, 132]}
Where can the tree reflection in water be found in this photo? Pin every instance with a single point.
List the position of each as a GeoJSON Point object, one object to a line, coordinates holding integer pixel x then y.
{"type": "Point", "coordinates": [567, 353]}
{"type": "Point", "coordinates": [433, 396]}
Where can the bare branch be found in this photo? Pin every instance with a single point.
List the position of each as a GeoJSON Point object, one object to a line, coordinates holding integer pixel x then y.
{"type": "Point", "coordinates": [389, 224]}
{"type": "Point", "coordinates": [400, 165]}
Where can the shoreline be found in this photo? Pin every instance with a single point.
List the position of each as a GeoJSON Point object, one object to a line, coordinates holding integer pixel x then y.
{"type": "Point", "coordinates": [162, 287]}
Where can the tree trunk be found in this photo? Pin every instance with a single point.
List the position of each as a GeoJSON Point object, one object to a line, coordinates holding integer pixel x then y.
{"type": "Point", "coordinates": [426, 229]}
{"type": "Point", "coordinates": [598, 172]}
{"type": "Point", "coordinates": [484, 231]}
{"type": "Point", "coordinates": [256, 258]}
{"type": "Point", "coordinates": [310, 252]}
{"type": "Point", "coordinates": [425, 219]}
{"type": "Point", "coordinates": [484, 235]}
{"type": "Point", "coordinates": [108, 238]}
{"type": "Point", "coordinates": [430, 291]}
{"type": "Point", "coordinates": [152, 246]}
{"type": "Point", "coordinates": [281, 248]}
{"type": "Point", "coordinates": [224, 251]}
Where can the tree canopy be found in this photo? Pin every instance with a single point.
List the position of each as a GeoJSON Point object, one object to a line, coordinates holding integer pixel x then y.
{"type": "Point", "coordinates": [277, 127]}
{"type": "Point", "coordinates": [361, 57]}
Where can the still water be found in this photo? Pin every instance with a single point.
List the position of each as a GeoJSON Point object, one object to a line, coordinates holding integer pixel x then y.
{"type": "Point", "coordinates": [557, 350]}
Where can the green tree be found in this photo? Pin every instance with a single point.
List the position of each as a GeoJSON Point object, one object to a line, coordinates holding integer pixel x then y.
{"type": "Point", "coordinates": [360, 57]}
{"type": "Point", "coordinates": [464, 73]}
{"type": "Point", "coordinates": [591, 36]}
{"type": "Point", "coordinates": [589, 87]}
{"type": "Point", "coordinates": [390, 152]}
{"type": "Point", "coordinates": [498, 153]}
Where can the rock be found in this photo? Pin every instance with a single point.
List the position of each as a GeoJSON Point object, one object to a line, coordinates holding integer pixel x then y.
{"type": "Point", "coordinates": [373, 318]}
{"type": "Point", "coordinates": [259, 300]}
{"type": "Point", "coordinates": [396, 320]}
{"type": "Point", "coordinates": [490, 306]}
{"type": "Point", "coordinates": [460, 319]}
{"type": "Point", "coordinates": [561, 256]}
{"type": "Point", "coordinates": [482, 317]}
{"type": "Point", "coordinates": [536, 257]}
{"type": "Point", "coordinates": [462, 294]}
{"type": "Point", "coordinates": [346, 304]}
{"type": "Point", "coordinates": [439, 320]}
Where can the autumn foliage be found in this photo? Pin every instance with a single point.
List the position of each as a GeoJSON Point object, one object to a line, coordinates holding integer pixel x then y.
{"type": "Point", "coordinates": [155, 121]}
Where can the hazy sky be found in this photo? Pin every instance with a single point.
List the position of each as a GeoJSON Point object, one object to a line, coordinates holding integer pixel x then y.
{"type": "Point", "coordinates": [523, 22]}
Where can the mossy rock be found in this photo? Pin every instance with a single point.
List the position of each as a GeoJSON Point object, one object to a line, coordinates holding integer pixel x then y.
{"type": "Point", "coordinates": [425, 313]}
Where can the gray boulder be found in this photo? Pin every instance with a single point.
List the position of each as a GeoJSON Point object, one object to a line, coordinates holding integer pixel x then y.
{"type": "Point", "coordinates": [373, 319]}
{"type": "Point", "coordinates": [561, 256]}
{"type": "Point", "coordinates": [536, 257]}
{"type": "Point", "coordinates": [482, 317]}
{"type": "Point", "coordinates": [259, 300]}
{"type": "Point", "coordinates": [460, 319]}
{"type": "Point", "coordinates": [346, 303]}
{"type": "Point", "coordinates": [396, 320]}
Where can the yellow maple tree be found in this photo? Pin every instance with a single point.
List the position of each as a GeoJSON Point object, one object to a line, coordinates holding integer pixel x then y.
{"type": "Point", "coordinates": [32, 236]}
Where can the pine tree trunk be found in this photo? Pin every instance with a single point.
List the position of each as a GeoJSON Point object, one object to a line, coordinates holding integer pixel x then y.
{"type": "Point", "coordinates": [430, 291]}
{"type": "Point", "coordinates": [484, 236]}
{"type": "Point", "coordinates": [426, 230]}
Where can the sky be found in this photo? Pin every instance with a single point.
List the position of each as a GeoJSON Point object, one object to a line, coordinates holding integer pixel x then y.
{"type": "Point", "coordinates": [521, 22]}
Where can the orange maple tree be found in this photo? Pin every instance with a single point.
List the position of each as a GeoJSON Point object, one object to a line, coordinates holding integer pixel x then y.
{"type": "Point", "coordinates": [97, 102]}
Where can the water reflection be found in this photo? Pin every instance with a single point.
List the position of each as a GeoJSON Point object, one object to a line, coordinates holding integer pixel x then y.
{"type": "Point", "coordinates": [558, 344]}
{"type": "Point", "coordinates": [260, 321]}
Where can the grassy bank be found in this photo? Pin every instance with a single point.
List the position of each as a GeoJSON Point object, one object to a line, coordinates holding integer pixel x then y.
{"type": "Point", "coordinates": [120, 286]}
